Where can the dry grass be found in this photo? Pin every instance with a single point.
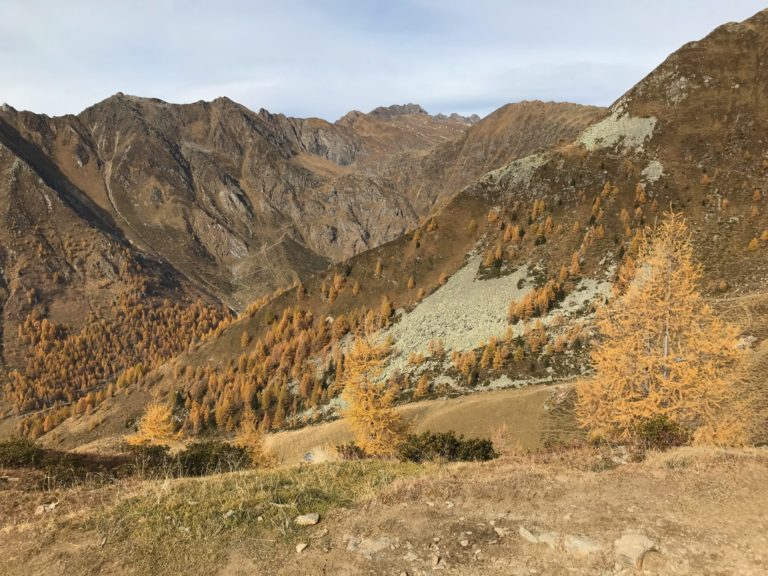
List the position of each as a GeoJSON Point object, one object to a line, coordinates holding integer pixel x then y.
{"type": "Point", "coordinates": [532, 416]}
{"type": "Point", "coordinates": [199, 519]}
{"type": "Point", "coordinates": [706, 509]}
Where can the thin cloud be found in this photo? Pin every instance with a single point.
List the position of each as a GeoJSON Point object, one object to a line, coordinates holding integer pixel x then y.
{"type": "Point", "coordinates": [310, 58]}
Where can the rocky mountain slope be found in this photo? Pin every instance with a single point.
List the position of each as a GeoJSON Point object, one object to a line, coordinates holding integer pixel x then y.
{"type": "Point", "coordinates": [513, 131]}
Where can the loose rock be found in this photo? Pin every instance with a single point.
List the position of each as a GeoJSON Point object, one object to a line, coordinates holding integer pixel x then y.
{"type": "Point", "coordinates": [631, 548]}
{"type": "Point", "coordinates": [43, 508]}
{"type": "Point", "coordinates": [368, 546]}
{"type": "Point", "coordinates": [301, 547]}
{"type": "Point", "coordinates": [581, 545]}
{"type": "Point", "coordinates": [308, 519]}
{"type": "Point", "coordinates": [549, 538]}
{"type": "Point", "coordinates": [527, 535]}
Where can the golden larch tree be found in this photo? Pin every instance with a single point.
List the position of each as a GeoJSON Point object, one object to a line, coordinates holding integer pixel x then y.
{"type": "Point", "coordinates": [663, 354]}
{"type": "Point", "coordinates": [370, 411]}
{"type": "Point", "coordinates": [251, 439]}
{"type": "Point", "coordinates": [156, 427]}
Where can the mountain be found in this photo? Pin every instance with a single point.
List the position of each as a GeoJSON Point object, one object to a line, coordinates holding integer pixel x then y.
{"type": "Point", "coordinates": [174, 203]}
{"type": "Point", "coordinates": [498, 287]}
{"type": "Point", "coordinates": [241, 202]}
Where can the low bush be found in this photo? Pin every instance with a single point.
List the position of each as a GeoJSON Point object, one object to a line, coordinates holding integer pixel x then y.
{"type": "Point", "coordinates": [446, 446]}
{"type": "Point", "coordinates": [21, 453]}
{"type": "Point", "coordinates": [197, 459]}
{"type": "Point", "coordinates": [211, 457]}
{"type": "Point", "coordinates": [350, 451]}
{"type": "Point", "coordinates": [659, 433]}
{"type": "Point", "coordinates": [149, 458]}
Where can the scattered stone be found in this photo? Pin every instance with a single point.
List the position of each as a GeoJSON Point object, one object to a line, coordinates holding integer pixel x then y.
{"type": "Point", "coordinates": [411, 557]}
{"type": "Point", "coordinates": [654, 562]}
{"type": "Point", "coordinates": [43, 508]}
{"type": "Point", "coordinates": [301, 547]}
{"type": "Point", "coordinates": [449, 504]}
{"type": "Point", "coordinates": [368, 546]}
{"type": "Point", "coordinates": [228, 514]}
{"type": "Point", "coordinates": [527, 535]}
{"type": "Point", "coordinates": [435, 560]}
{"type": "Point", "coordinates": [631, 548]}
{"type": "Point", "coordinates": [500, 531]}
{"type": "Point", "coordinates": [464, 543]}
{"type": "Point", "coordinates": [549, 538]}
{"type": "Point", "coordinates": [581, 545]}
{"type": "Point", "coordinates": [308, 519]}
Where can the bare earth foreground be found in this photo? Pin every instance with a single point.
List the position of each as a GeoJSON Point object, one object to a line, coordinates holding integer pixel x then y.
{"type": "Point", "coordinates": [577, 511]}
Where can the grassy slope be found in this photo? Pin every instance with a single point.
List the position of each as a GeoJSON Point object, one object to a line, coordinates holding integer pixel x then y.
{"type": "Point", "coordinates": [524, 412]}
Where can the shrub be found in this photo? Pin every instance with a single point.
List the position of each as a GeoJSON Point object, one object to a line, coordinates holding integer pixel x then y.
{"type": "Point", "coordinates": [211, 457]}
{"type": "Point", "coordinates": [197, 459]}
{"type": "Point", "coordinates": [350, 451]}
{"type": "Point", "coordinates": [660, 433]}
{"type": "Point", "coordinates": [21, 453]}
{"type": "Point", "coordinates": [444, 446]}
{"type": "Point", "coordinates": [149, 457]}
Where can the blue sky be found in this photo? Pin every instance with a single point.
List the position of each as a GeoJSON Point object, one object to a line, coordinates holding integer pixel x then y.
{"type": "Point", "coordinates": [324, 58]}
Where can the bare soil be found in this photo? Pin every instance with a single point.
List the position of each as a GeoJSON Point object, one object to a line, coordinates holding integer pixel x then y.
{"type": "Point", "coordinates": [704, 510]}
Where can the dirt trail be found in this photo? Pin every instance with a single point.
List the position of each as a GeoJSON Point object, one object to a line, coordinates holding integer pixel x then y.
{"type": "Point", "coordinates": [700, 512]}
{"type": "Point", "coordinates": [705, 512]}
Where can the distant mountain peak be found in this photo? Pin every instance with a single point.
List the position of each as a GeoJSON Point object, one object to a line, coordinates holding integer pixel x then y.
{"type": "Point", "coordinates": [470, 120]}
{"type": "Point", "coordinates": [397, 110]}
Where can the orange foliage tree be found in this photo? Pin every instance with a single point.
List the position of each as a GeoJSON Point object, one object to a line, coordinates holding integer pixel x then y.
{"type": "Point", "coordinates": [663, 356]}
{"type": "Point", "coordinates": [156, 427]}
{"type": "Point", "coordinates": [370, 411]}
{"type": "Point", "coordinates": [251, 439]}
